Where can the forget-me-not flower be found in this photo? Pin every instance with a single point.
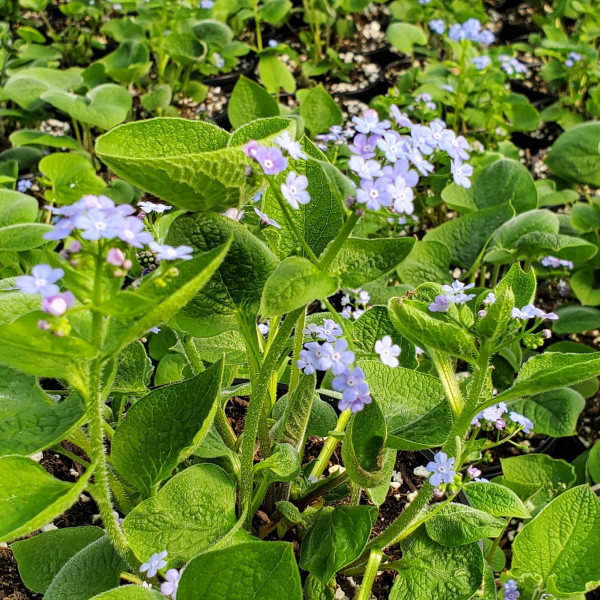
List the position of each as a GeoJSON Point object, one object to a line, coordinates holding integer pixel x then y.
{"type": "Point", "coordinates": [294, 189]}
{"type": "Point", "coordinates": [388, 352]}
{"type": "Point", "coordinates": [265, 219]}
{"type": "Point", "coordinates": [441, 469]}
{"type": "Point", "coordinates": [374, 194]}
{"type": "Point", "coordinates": [437, 25]}
{"type": "Point", "coordinates": [42, 281]}
{"type": "Point", "coordinates": [155, 562]}
{"type": "Point", "coordinates": [58, 304]}
{"type": "Point", "coordinates": [169, 587]}
{"type": "Point", "coordinates": [291, 146]}
{"type": "Point", "coordinates": [166, 252]}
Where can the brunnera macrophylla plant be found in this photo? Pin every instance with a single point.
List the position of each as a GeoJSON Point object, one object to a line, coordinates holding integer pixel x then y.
{"type": "Point", "coordinates": [178, 491]}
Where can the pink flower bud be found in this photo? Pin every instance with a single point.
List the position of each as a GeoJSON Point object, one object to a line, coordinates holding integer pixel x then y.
{"type": "Point", "coordinates": [115, 257]}
{"type": "Point", "coordinates": [437, 493]}
{"type": "Point", "coordinates": [473, 472]}
{"type": "Point", "coordinates": [127, 264]}
{"type": "Point", "coordinates": [58, 304]}
{"type": "Point", "coordinates": [74, 247]}
{"type": "Point", "coordinates": [250, 148]}
{"type": "Point", "coordinates": [43, 325]}
{"type": "Point", "coordinates": [500, 424]}
{"type": "Point", "coordinates": [547, 333]}
{"type": "Point", "coordinates": [482, 313]}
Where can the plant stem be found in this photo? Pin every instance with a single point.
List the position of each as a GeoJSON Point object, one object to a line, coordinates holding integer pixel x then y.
{"type": "Point", "coordinates": [58, 448]}
{"type": "Point", "coordinates": [295, 376]}
{"type": "Point", "coordinates": [495, 543]}
{"type": "Point", "coordinates": [448, 378]}
{"type": "Point", "coordinates": [370, 573]}
{"type": "Point", "coordinates": [344, 233]}
{"type": "Point", "coordinates": [495, 273]}
{"type": "Point", "coordinates": [330, 445]}
{"type": "Point", "coordinates": [192, 355]}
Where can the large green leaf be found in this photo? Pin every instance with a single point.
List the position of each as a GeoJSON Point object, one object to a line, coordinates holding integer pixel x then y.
{"type": "Point", "coordinates": [30, 420]}
{"type": "Point", "coordinates": [130, 592]}
{"type": "Point", "coordinates": [166, 299]}
{"type": "Point", "coordinates": [41, 557]}
{"type": "Point", "coordinates": [495, 499]}
{"type": "Point", "coordinates": [23, 236]}
{"type": "Point", "coordinates": [71, 177]}
{"type": "Point", "coordinates": [258, 570]}
{"type": "Point", "coordinates": [361, 261]}
{"type": "Point", "coordinates": [26, 87]}
{"type": "Point", "coordinates": [549, 371]}
{"type": "Point", "coordinates": [193, 511]}
{"type": "Point", "coordinates": [165, 427]}
{"type": "Point", "coordinates": [34, 137]}
{"type": "Point", "coordinates": [427, 261]}
{"type": "Point", "coordinates": [239, 281]}
{"type": "Point", "coordinates": [576, 319]}
{"type": "Point", "coordinates": [416, 411]}
{"type": "Point", "coordinates": [16, 208]}
{"type": "Point", "coordinates": [104, 106]}
{"type": "Point", "coordinates": [295, 282]}
{"type": "Point", "coordinates": [560, 546]}
{"type": "Point", "coordinates": [336, 539]}
{"type": "Point", "coordinates": [459, 524]}
{"type": "Point", "coordinates": [554, 412]}
{"type": "Point", "coordinates": [191, 164]}
{"type": "Point", "coordinates": [429, 570]}
{"type": "Point", "coordinates": [30, 497]}
{"type": "Point", "coordinates": [250, 101]}
{"type": "Point", "coordinates": [320, 111]}
{"type": "Point", "coordinates": [522, 284]}
{"type": "Point", "coordinates": [404, 36]}
{"type": "Point", "coordinates": [574, 156]}
{"type": "Point", "coordinates": [94, 569]}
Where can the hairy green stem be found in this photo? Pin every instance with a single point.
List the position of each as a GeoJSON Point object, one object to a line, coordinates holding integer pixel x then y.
{"type": "Point", "coordinates": [298, 342]}
{"type": "Point", "coordinates": [344, 233]}
{"type": "Point", "coordinates": [330, 445]}
{"type": "Point", "coordinates": [448, 378]}
{"type": "Point", "coordinates": [373, 563]}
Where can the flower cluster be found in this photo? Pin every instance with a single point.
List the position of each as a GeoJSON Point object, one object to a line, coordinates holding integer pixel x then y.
{"type": "Point", "coordinates": [42, 281]}
{"type": "Point", "coordinates": [573, 57]}
{"type": "Point", "coordinates": [510, 590]}
{"type": "Point", "coordinates": [494, 418]}
{"type": "Point", "coordinates": [334, 355]}
{"type": "Point", "coordinates": [360, 298]}
{"type": "Point", "coordinates": [471, 30]}
{"type": "Point", "coordinates": [441, 469]}
{"type": "Point", "coordinates": [23, 185]}
{"type": "Point", "coordinates": [512, 66]}
{"type": "Point", "coordinates": [555, 263]}
{"type": "Point", "coordinates": [453, 294]}
{"type": "Point", "coordinates": [157, 562]}
{"type": "Point", "coordinates": [391, 186]}
{"type": "Point", "coordinates": [531, 312]}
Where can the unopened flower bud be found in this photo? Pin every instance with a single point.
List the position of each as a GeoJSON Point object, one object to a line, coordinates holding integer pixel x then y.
{"type": "Point", "coordinates": [119, 273]}
{"type": "Point", "coordinates": [74, 247]}
{"type": "Point", "coordinates": [500, 424]}
{"type": "Point", "coordinates": [74, 263]}
{"type": "Point", "coordinates": [115, 257]}
{"type": "Point", "coordinates": [248, 171]}
{"type": "Point", "coordinates": [547, 333]}
{"type": "Point", "coordinates": [482, 313]}
{"type": "Point", "coordinates": [437, 493]}
{"type": "Point", "coordinates": [43, 325]}
{"type": "Point", "coordinates": [173, 271]}
{"type": "Point", "coordinates": [473, 472]}
{"type": "Point", "coordinates": [58, 304]}
{"type": "Point", "coordinates": [360, 212]}
{"type": "Point", "coordinates": [350, 201]}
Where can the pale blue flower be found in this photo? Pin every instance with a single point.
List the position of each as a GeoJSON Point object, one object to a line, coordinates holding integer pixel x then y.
{"type": "Point", "coordinates": [365, 169]}
{"type": "Point", "coordinates": [294, 189]}
{"type": "Point", "coordinates": [370, 123]}
{"type": "Point", "coordinates": [292, 147]}
{"type": "Point", "coordinates": [23, 185]}
{"type": "Point", "coordinates": [99, 223]}
{"type": "Point", "coordinates": [270, 159]}
{"type": "Point", "coordinates": [132, 231]}
{"type": "Point", "coordinates": [441, 304]}
{"type": "Point", "coordinates": [172, 576]}
{"type": "Point", "coordinates": [155, 562]}
{"type": "Point", "coordinates": [521, 420]}
{"type": "Point", "coordinates": [336, 357]}
{"type": "Point", "coordinates": [510, 590]}
{"type": "Point", "coordinates": [306, 361]}
{"type": "Point", "coordinates": [42, 281]}
{"type": "Point", "coordinates": [329, 331]}
{"type": "Point", "coordinates": [388, 352]}
{"type": "Point", "coordinates": [403, 196]}
{"type": "Point", "coordinates": [58, 304]}
{"type": "Point", "coordinates": [393, 145]}
{"type": "Point", "coordinates": [365, 146]}
{"type": "Point", "coordinates": [374, 194]}
{"type": "Point", "coordinates": [437, 25]}
{"type": "Point", "coordinates": [166, 252]}
{"type": "Point", "coordinates": [441, 469]}
{"type": "Point", "coordinates": [461, 173]}
{"type": "Point", "coordinates": [401, 118]}
{"type": "Point", "coordinates": [531, 312]}
{"type": "Point", "coordinates": [207, 4]}
{"type": "Point", "coordinates": [351, 383]}
{"type": "Point", "coordinates": [481, 62]}
{"type": "Point", "coordinates": [265, 219]}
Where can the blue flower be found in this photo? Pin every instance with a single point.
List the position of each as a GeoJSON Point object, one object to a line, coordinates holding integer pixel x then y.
{"type": "Point", "coordinates": [423, 166]}
{"type": "Point", "coordinates": [481, 62]}
{"type": "Point", "coordinates": [265, 219]}
{"type": "Point", "coordinates": [461, 173]}
{"type": "Point", "coordinates": [99, 223]}
{"type": "Point", "coordinates": [521, 420]}
{"type": "Point", "coordinates": [401, 119]}
{"type": "Point", "coordinates": [329, 331]}
{"type": "Point", "coordinates": [335, 357]}
{"type": "Point", "coordinates": [58, 304]}
{"type": "Point", "coordinates": [486, 38]}
{"type": "Point", "coordinates": [42, 281]}
{"type": "Point", "coordinates": [365, 169]}
{"type": "Point", "coordinates": [270, 159]}
{"type": "Point", "coordinates": [531, 312]}
{"type": "Point", "coordinates": [364, 146]}
{"type": "Point", "coordinates": [306, 361]}
{"type": "Point", "coordinates": [23, 185]}
{"type": "Point", "coordinates": [370, 123]}
{"type": "Point", "coordinates": [393, 145]}
{"type": "Point", "coordinates": [510, 589]}
{"type": "Point", "coordinates": [352, 384]}
{"type": "Point", "coordinates": [294, 189]}
{"type": "Point", "coordinates": [402, 195]}
{"type": "Point", "coordinates": [441, 304]}
{"type": "Point", "coordinates": [155, 562]}
{"type": "Point", "coordinates": [437, 25]}
{"type": "Point", "coordinates": [207, 4]}
{"type": "Point", "coordinates": [374, 194]}
{"type": "Point", "coordinates": [456, 292]}
{"type": "Point", "coordinates": [441, 469]}
{"type": "Point", "coordinates": [273, 43]}
{"type": "Point", "coordinates": [292, 147]}
{"type": "Point", "coordinates": [166, 252]}
{"type": "Point", "coordinates": [387, 351]}
{"type": "Point", "coordinates": [132, 231]}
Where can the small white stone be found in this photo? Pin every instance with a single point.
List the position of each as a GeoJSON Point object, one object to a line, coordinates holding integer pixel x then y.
{"type": "Point", "coordinates": [3, 545]}
{"type": "Point", "coordinates": [397, 477]}
{"type": "Point", "coordinates": [410, 497]}
{"type": "Point", "coordinates": [421, 472]}
{"type": "Point", "coordinates": [37, 456]}
{"type": "Point", "coordinates": [340, 595]}
{"type": "Point", "coordinates": [49, 527]}
{"type": "Point", "coordinates": [395, 485]}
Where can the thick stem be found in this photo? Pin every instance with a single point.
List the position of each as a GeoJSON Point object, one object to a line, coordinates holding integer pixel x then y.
{"type": "Point", "coordinates": [333, 249]}
{"type": "Point", "coordinates": [370, 573]}
{"type": "Point", "coordinates": [448, 378]}
{"type": "Point", "coordinates": [295, 376]}
{"type": "Point", "coordinates": [330, 445]}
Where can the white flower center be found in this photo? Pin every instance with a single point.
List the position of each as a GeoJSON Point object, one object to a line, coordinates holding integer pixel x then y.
{"type": "Point", "coordinates": [373, 193]}
{"type": "Point", "coordinates": [268, 163]}
{"type": "Point", "coordinates": [40, 282]}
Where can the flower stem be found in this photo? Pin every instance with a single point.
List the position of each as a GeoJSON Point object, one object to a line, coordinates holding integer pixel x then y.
{"type": "Point", "coordinates": [330, 444]}
{"type": "Point", "coordinates": [344, 233]}
{"type": "Point", "coordinates": [370, 573]}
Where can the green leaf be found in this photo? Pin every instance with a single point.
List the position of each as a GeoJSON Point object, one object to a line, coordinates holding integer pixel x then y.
{"type": "Point", "coordinates": [336, 539]}
{"type": "Point", "coordinates": [282, 465]}
{"type": "Point", "coordinates": [553, 413]}
{"type": "Point", "coordinates": [269, 571]}
{"type": "Point", "coordinates": [191, 164]}
{"type": "Point", "coordinates": [522, 284]}
{"type": "Point", "coordinates": [104, 106]}
{"type": "Point", "coordinates": [164, 428]}
{"type": "Point", "coordinates": [415, 408]}
{"type": "Point", "coordinates": [429, 570]}
{"type": "Point", "coordinates": [498, 317]}
{"type": "Point", "coordinates": [320, 220]}
{"type": "Point", "coordinates": [130, 61]}
{"type": "Point", "coordinates": [295, 282]}
{"type": "Point", "coordinates": [585, 217]}
{"type": "Point", "coordinates": [185, 49]}
{"type": "Point", "coordinates": [94, 569]}
{"type": "Point", "coordinates": [16, 208]}
{"type": "Point", "coordinates": [404, 36]}
{"type": "Point", "coordinates": [551, 370]}
{"type": "Point", "coordinates": [574, 156]}
{"type": "Point", "coordinates": [320, 110]}
{"type": "Point", "coordinates": [275, 75]}
{"type": "Point", "coordinates": [159, 98]}
{"type": "Point", "coordinates": [133, 371]}
{"type": "Point", "coordinates": [561, 544]}
{"type": "Point", "coordinates": [26, 87]}
{"type": "Point", "coordinates": [505, 181]}
{"type": "Point", "coordinates": [593, 463]}
{"type": "Point", "coordinates": [23, 236]}
{"type": "Point", "coordinates": [274, 11]}
{"type": "Point", "coordinates": [576, 319]}
{"type": "Point", "coordinates": [424, 329]}
{"type": "Point", "coordinates": [536, 478]}
{"type": "Point", "coordinates": [71, 176]}
{"type": "Point", "coordinates": [129, 592]}
{"type": "Point", "coordinates": [239, 281]}
{"type": "Point", "coordinates": [459, 524]}
{"type": "Point", "coordinates": [30, 497]}
{"type": "Point", "coordinates": [193, 511]}
{"type": "Point", "coordinates": [427, 261]}
{"type": "Point", "coordinates": [27, 348]}
{"type": "Point", "coordinates": [250, 101]}
{"type": "Point", "coordinates": [27, 137]}
{"type": "Point", "coordinates": [168, 299]}
{"type": "Point", "coordinates": [40, 558]}
{"type": "Point", "coordinates": [213, 32]}
{"type": "Point", "coordinates": [361, 261]}
{"type": "Point", "coordinates": [30, 420]}
{"type": "Point", "coordinates": [495, 499]}
{"type": "Point", "coordinates": [363, 447]}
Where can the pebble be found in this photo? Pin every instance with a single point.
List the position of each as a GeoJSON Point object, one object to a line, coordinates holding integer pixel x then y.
{"type": "Point", "coordinates": [37, 456]}
{"type": "Point", "coordinates": [49, 527]}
